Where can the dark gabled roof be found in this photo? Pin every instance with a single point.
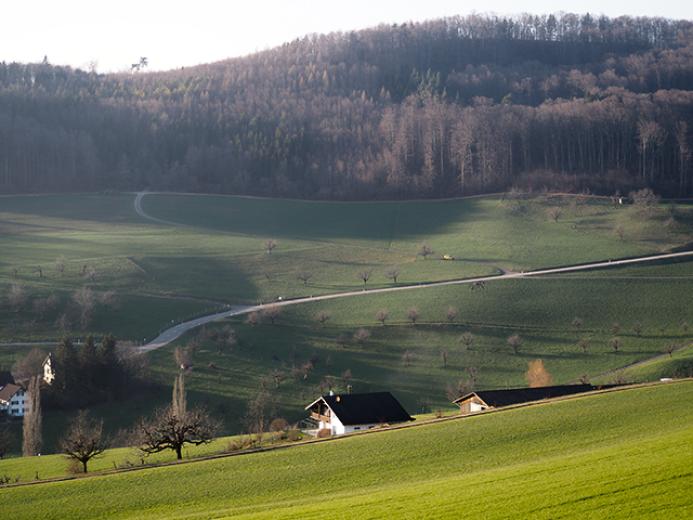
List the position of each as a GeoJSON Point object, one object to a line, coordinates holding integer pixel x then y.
{"type": "Point", "coordinates": [510, 396]}
{"type": "Point", "coordinates": [7, 391]}
{"type": "Point", "coordinates": [372, 408]}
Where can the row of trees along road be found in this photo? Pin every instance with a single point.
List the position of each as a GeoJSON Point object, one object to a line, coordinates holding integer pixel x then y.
{"type": "Point", "coordinates": [447, 107]}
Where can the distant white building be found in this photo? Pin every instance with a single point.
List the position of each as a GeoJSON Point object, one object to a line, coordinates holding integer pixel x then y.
{"type": "Point", "coordinates": [348, 413]}
{"type": "Point", "coordinates": [13, 400]}
{"type": "Point", "coordinates": [49, 369]}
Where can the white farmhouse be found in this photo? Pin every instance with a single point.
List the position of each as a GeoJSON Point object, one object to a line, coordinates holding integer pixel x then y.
{"type": "Point", "coordinates": [49, 369]}
{"type": "Point", "coordinates": [12, 400]}
{"type": "Point", "coordinates": [348, 413]}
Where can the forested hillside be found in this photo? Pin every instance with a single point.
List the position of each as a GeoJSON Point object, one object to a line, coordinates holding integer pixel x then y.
{"type": "Point", "coordinates": [448, 107]}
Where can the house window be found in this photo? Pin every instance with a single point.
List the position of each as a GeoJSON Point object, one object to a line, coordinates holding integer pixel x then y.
{"type": "Point", "coordinates": [357, 427]}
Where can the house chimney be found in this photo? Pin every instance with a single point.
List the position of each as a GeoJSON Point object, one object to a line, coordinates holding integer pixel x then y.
{"type": "Point", "coordinates": [331, 392]}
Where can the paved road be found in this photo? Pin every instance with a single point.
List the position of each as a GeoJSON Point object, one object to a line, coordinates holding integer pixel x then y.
{"type": "Point", "coordinates": [175, 332]}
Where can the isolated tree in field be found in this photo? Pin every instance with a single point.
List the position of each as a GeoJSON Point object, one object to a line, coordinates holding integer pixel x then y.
{"type": "Point", "coordinates": [615, 328]}
{"type": "Point", "coordinates": [537, 375]}
{"type": "Point", "coordinates": [32, 439]}
{"type": "Point", "coordinates": [577, 324]}
{"type": "Point", "coordinates": [620, 231]}
{"type": "Point", "coordinates": [29, 365]}
{"type": "Point", "coordinates": [17, 297]}
{"type": "Point", "coordinates": [260, 409]}
{"type": "Point", "coordinates": [252, 318]}
{"type": "Point", "coordinates": [644, 200]}
{"type": "Point", "coordinates": [515, 342]}
{"type": "Point", "coordinates": [451, 314]}
{"type": "Point", "coordinates": [554, 213]}
{"type": "Point", "coordinates": [467, 339]}
{"type": "Point", "coordinates": [304, 276]}
{"type": "Point", "coordinates": [362, 335]}
{"type": "Point", "coordinates": [382, 315]}
{"type": "Point", "coordinates": [425, 251]}
{"type": "Point", "coordinates": [278, 377]}
{"type": "Point", "coordinates": [84, 439]}
{"type": "Point", "coordinates": [226, 339]}
{"type": "Point", "coordinates": [615, 344]}
{"type": "Point", "coordinates": [444, 357]}
{"type": "Point", "coordinates": [407, 357]}
{"type": "Point", "coordinates": [584, 379]}
{"type": "Point", "coordinates": [347, 377]}
{"type": "Point", "coordinates": [270, 246]}
{"type": "Point", "coordinates": [322, 317]}
{"type": "Point", "coordinates": [86, 302]}
{"type": "Point", "coordinates": [365, 276]}
{"type": "Point", "coordinates": [392, 273]}
{"type": "Point", "coordinates": [60, 264]}
{"type": "Point", "coordinates": [684, 326]}
{"type": "Point", "coordinates": [637, 328]}
{"type": "Point", "coordinates": [584, 344]}
{"type": "Point", "coordinates": [413, 315]}
{"type": "Point", "coordinates": [272, 313]}
{"type": "Point", "coordinates": [670, 348]}
{"type": "Point", "coordinates": [166, 430]}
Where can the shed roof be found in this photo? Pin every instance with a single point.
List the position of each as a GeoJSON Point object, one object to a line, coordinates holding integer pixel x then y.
{"type": "Point", "coordinates": [7, 391]}
{"type": "Point", "coordinates": [370, 408]}
{"type": "Point", "coordinates": [510, 396]}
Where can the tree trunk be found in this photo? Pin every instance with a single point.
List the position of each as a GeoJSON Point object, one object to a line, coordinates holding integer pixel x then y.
{"type": "Point", "coordinates": [84, 465]}
{"type": "Point", "coordinates": [179, 452]}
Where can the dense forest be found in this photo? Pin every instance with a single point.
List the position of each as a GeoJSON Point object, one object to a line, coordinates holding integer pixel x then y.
{"type": "Point", "coordinates": [449, 107]}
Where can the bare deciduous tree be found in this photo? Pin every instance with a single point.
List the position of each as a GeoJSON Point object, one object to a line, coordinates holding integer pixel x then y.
{"type": "Point", "coordinates": [413, 315]}
{"type": "Point", "coordinates": [554, 213]}
{"type": "Point", "coordinates": [451, 314]}
{"type": "Point", "coordinates": [407, 357]}
{"type": "Point", "coordinates": [615, 328]}
{"type": "Point", "coordinates": [392, 273]}
{"type": "Point", "coordinates": [17, 297]}
{"type": "Point", "coordinates": [537, 375]}
{"type": "Point", "coordinates": [31, 426]}
{"type": "Point", "coordinates": [322, 317]}
{"type": "Point", "coordinates": [637, 328]}
{"type": "Point", "coordinates": [252, 319]}
{"type": "Point", "coordinates": [346, 377]}
{"type": "Point", "coordinates": [584, 344]}
{"type": "Point", "coordinates": [60, 264]}
{"type": "Point", "coordinates": [620, 231]}
{"type": "Point", "coordinates": [515, 342]}
{"type": "Point", "coordinates": [84, 439]}
{"type": "Point", "coordinates": [86, 301]}
{"type": "Point", "coordinates": [615, 344]}
{"type": "Point", "coordinates": [168, 431]}
{"type": "Point", "coordinates": [304, 276]}
{"type": "Point", "coordinates": [425, 251]}
{"type": "Point", "coordinates": [183, 356]}
{"type": "Point", "coordinates": [29, 366]}
{"type": "Point", "coordinates": [272, 313]}
{"type": "Point", "coordinates": [382, 315]}
{"type": "Point", "coordinates": [362, 335]}
{"type": "Point", "coordinates": [467, 339]}
{"type": "Point", "coordinates": [577, 324]}
{"type": "Point", "coordinates": [365, 276]}
{"type": "Point", "coordinates": [270, 246]}
{"type": "Point", "coordinates": [444, 357]}
{"type": "Point", "coordinates": [259, 410]}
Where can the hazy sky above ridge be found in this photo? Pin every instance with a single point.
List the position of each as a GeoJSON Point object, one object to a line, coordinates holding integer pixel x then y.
{"type": "Point", "coordinates": [175, 33]}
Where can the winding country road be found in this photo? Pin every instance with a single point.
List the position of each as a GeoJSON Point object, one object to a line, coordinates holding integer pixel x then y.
{"type": "Point", "coordinates": [174, 332]}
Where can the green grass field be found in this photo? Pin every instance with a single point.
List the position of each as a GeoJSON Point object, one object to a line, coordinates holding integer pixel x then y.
{"type": "Point", "coordinates": [162, 272]}
{"type": "Point", "coordinates": [623, 454]}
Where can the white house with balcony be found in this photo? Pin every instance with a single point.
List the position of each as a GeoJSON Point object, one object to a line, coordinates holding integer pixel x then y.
{"type": "Point", "coordinates": [347, 413]}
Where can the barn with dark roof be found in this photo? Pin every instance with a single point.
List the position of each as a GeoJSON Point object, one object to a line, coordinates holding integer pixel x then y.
{"type": "Point", "coordinates": [346, 413]}
{"type": "Point", "coordinates": [484, 399]}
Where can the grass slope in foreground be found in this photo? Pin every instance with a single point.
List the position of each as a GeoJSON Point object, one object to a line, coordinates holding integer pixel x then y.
{"type": "Point", "coordinates": [621, 454]}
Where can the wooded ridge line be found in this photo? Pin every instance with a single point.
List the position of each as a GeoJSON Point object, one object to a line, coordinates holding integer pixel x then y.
{"type": "Point", "coordinates": [444, 108]}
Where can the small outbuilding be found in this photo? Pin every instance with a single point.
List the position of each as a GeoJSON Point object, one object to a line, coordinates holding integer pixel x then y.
{"type": "Point", "coordinates": [346, 413]}
{"type": "Point", "coordinates": [484, 399]}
